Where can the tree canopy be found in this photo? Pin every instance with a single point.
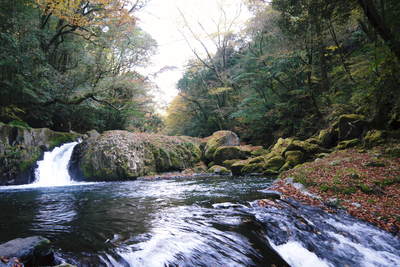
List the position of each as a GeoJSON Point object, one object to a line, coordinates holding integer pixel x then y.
{"type": "Point", "coordinates": [71, 65]}
{"type": "Point", "coordinates": [296, 67]}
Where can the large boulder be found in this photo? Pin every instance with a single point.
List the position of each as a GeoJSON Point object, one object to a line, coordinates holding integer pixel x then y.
{"type": "Point", "coordinates": [21, 147]}
{"type": "Point", "coordinates": [290, 144]}
{"type": "Point", "coordinates": [231, 152]}
{"type": "Point", "coordinates": [351, 126]}
{"type": "Point", "coordinates": [218, 139]}
{"type": "Point", "coordinates": [328, 137]}
{"type": "Point", "coordinates": [123, 155]}
{"type": "Point", "coordinates": [32, 251]}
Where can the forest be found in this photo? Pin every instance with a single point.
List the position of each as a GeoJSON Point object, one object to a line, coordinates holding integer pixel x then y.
{"type": "Point", "coordinates": [295, 68]}
{"type": "Point", "coordinates": [71, 65]}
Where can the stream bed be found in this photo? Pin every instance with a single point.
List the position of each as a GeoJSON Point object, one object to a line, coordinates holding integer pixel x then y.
{"type": "Point", "coordinates": [203, 221]}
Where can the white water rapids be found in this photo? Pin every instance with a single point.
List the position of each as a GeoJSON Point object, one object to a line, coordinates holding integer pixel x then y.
{"type": "Point", "coordinates": [53, 169]}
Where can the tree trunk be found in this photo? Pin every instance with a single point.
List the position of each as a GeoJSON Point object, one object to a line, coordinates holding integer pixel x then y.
{"type": "Point", "coordinates": [380, 26]}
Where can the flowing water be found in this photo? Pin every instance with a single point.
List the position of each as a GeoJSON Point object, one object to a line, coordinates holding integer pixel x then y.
{"type": "Point", "coordinates": [202, 221]}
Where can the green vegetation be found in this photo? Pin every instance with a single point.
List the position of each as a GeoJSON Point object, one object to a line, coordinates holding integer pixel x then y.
{"type": "Point", "coordinates": [71, 65]}
{"type": "Point", "coordinates": [297, 67]}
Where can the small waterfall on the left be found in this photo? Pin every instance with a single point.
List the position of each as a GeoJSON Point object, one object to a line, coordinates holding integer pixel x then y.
{"type": "Point", "coordinates": [53, 169]}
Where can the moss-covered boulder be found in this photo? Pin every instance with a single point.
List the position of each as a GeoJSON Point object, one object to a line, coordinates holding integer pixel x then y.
{"type": "Point", "coordinates": [348, 144]}
{"type": "Point", "coordinates": [374, 138]}
{"type": "Point", "coordinates": [259, 151]}
{"type": "Point", "coordinates": [231, 152]}
{"type": "Point", "coordinates": [228, 163]}
{"type": "Point", "coordinates": [294, 157]}
{"type": "Point", "coordinates": [328, 137]}
{"type": "Point", "coordinates": [351, 126]}
{"type": "Point", "coordinates": [21, 147]}
{"type": "Point", "coordinates": [218, 139]}
{"type": "Point", "coordinates": [216, 169]}
{"type": "Point", "coordinates": [282, 145]}
{"type": "Point", "coordinates": [122, 155]}
{"type": "Point", "coordinates": [253, 168]}
{"type": "Point", "coordinates": [274, 163]}
{"type": "Point", "coordinates": [237, 167]}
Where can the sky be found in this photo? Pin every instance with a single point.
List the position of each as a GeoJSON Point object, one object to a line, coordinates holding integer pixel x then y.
{"type": "Point", "coordinates": [163, 21]}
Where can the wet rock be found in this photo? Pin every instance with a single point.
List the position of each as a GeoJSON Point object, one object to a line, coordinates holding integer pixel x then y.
{"type": "Point", "coordinates": [32, 251]}
{"type": "Point", "coordinates": [216, 169]}
{"type": "Point", "coordinates": [271, 194]}
{"type": "Point", "coordinates": [333, 202]}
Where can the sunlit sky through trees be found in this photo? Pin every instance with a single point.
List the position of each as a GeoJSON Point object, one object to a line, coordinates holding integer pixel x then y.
{"type": "Point", "coordinates": [162, 19]}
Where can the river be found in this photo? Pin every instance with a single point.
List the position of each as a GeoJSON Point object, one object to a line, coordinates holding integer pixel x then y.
{"type": "Point", "coordinates": [198, 221]}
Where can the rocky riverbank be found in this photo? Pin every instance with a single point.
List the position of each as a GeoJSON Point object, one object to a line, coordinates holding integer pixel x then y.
{"type": "Point", "coordinates": [365, 183]}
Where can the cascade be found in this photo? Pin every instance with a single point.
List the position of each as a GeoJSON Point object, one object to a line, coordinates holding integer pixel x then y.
{"type": "Point", "coordinates": [53, 169]}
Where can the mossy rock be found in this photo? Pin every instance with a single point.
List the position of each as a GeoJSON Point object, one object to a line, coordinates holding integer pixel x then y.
{"type": "Point", "coordinates": [282, 145]}
{"type": "Point", "coordinates": [122, 155]}
{"type": "Point", "coordinates": [287, 166]}
{"type": "Point", "coordinates": [259, 159]}
{"type": "Point", "coordinates": [348, 144]}
{"type": "Point", "coordinates": [229, 163]}
{"type": "Point", "coordinates": [374, 138]}
{"type": "Point", "coordinates": [231, 152]}
{"type": "Point", "coordinates": [200, 167]}
{"type": "Point", "coordinates": [259, 152]}
{"type": "Point", "coordinates": [313, 140]}
{"type": "Point", "coordinates": [253, 168]}
{"type": "Point", "coordinates": [294, 157]}
{"type": "Point", "coordinates": [237, 167]}
{"type": "Point", "coordinates": [351, 126]}
{"type": "Point", "coordinates": [274, 163]}
{"type": "Point", "coordinates": [216, 169]}
{"type": "Point", "coordinates": [218, 139]}
{"type": "Point", "coordinates": [328, 137]}
{"type": "Point", "coordinates": [308, 148]}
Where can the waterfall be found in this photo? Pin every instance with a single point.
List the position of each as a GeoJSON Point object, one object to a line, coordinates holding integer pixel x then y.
{"type": "Point", "coordinates": [53, 169]}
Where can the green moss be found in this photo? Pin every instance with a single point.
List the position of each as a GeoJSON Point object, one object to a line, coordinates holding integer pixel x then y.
{"type": "Point", "coordinates": [253, 168]}
{"type": "Point", "coordinates": [259, 159]}
{"type": "Point", "coordinates": [365, 188]}
{"type": "Point", "coordinates": [57, 139]}
{"type": "Point", "coordinates": [324, 187]}
{"type": "Point", "coordinates": [294, 157]}
{"type": "Point", "coordinates": [348, 190]}
{"type": "Point", "coordinates": [388, 181]}
{"type": "Point", "coordinates": [25, 165]}
{"type": "Point", "coordinates": [274, 163]}
{"type": "Point", "coordinates": [229, 163]}
{"type": "Point", "coordinates": [259, 152]}
{"type": "Point", "coordinates": [218, 170]}
{"type": "Point", "coordinates": [20, 124]}
{"type": "Point", "coordinates": [230, 152]}
{"type": "Point", "coordinates": [348, 144]}
{"type": "Point", "coordinates": [374, 138]}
